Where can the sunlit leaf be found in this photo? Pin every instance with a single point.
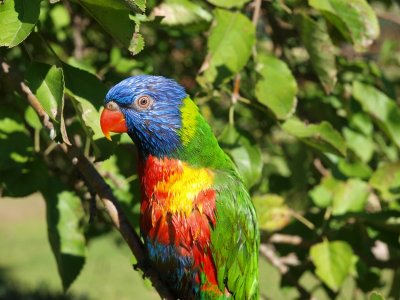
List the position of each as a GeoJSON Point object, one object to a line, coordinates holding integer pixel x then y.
{"type": "Point", "coordinates": [228, 3]}
{"type": "Point", "coordinates": [277, 87]}
{"type": "Point", "coordinates": [66, 235]}
{"type": "Point", "coordinates": [318, 43]}
{"type": "Point", "coordinates": [47, 83]}
{"type": "Point", "coordinates": [17, 20]}
{"type": "Point", "coordinates": [231, 39]}
{"type": "Point", "coordinates": [363, 146]}
{"type": "Point", "coordinates": [322, 194]}
{"type": "Point", "coordinates": [355, 19]}
{"type": "Point", "coordinates": [181, 12]}
{"type": "Point", "coordinates": [384, 111]}
{"type": "Point", "coordinates": [350, 196]}
{"type": "Point", "coordinates": [375, 296]}
{"type": "Point", "coordinates": [272, 212]}
{"type": "Point", "coordinates": [334, 261]}
{"type": "Point", "coordinates": [320, 136]}
{"type": "Point", "coordinates": [386, 180]}
{"type": "Point", "coordinates": [354, 169]}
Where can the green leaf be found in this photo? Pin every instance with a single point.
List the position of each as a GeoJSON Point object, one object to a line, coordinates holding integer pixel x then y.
{"type": "Point", "coordinates": [17, 20]}
{"type": "Point", "coordinates": [231, 39]}
{"type": "Point", "coordinates": [88, 99]}
{"type": "Point", "coordinates": [244, 152]}
{"type": "Point", "coordinates": [386, 180]}
{"type": "Point", "coordinates": [93, 90]}
{"type": "Point", "coordinates": [228, 3]}
{"type": "Point", "coordinates": [334, 261]}
{"type": "Point", "coordinates": [375, 296]}
{"type": "Point", "coordinates": [277, 87]}
{"type": "Point", "coordinates": [363, 146]}
{"type": "Point", "coordinates": [350, 196]}
{"type": "Point", "coordinates": [119, 184]}
{"type": "Point", "coordinates": [32, 118]}
{"type": "Point", "coordinates": [354, 169]}
{"type": "Point", "coordinates": [320, 136]}
{"type": "Point", "coordinates": [321, 50]}
{"type": "Point", "coordinates": [388, 220]}
{"type": "Point", "coordinates": [28, 175]}
{"type": "Point", "coordinates": [381, 108]}
{"type": "Point", "coordinates": [113, 16]}
{"type": "Point", "coordinates": [139, 3]}
{"type": "Point", "coordinates": [181, 12]}
{"type": "Point", "coordinates": [66, 235]}
{"type": "Point", "coordinates": [322, 194]}
{"type": "Point", "coordinates": [355, 19]}
{"type": "Point", "coordinates": [15, 143]}
{"type": "Point", "coordinates": [272, 213]}
{"type": "Point", "coordinates": [47, 83]}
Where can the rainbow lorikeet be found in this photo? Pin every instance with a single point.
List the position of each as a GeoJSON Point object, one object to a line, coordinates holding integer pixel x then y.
{"type": "Point", "coordinates": [197, 219]}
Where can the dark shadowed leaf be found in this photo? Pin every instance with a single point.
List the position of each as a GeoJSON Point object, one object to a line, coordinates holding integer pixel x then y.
{"type": "Point", "coordinates": [231, 39]}
{"type": "Point", "coordinates": [244, 152]}
{"type": "Point", "coordinates": [64, 223]}
{"type": "Point", "coordinates": [113, 16]}
{"type": "Point", "coordinates": [319, 46]}
{"type": "Point", "coordinates": [334, 261]}
{"type": "Point", "coordinates": [17, 19]}
{"type": "Point", "coordinates": [88, 99]}
{"type": "Point", "coordinates": [320, 136]}
{"type": "Point", "coordinates": [355, 19]}
{"type": "Point", "coordinates": [277, 87]}
{"type": "Point", "coordinates": [32, 172]}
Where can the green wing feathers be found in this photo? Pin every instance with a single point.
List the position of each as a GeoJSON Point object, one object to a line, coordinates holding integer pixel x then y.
{"type": "Point", "coordinates": [235, 239]}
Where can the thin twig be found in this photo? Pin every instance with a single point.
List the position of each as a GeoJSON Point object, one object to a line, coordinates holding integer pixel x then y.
{"type": "Point", "coordinates": [256, 16]}
{"type": "Point", "coordinates": [279, 238]}
{"type": "Point", "coordinates": [96, 182]}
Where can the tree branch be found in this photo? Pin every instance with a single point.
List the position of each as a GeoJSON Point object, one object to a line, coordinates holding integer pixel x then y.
{"type": "Point", "coordinates": [96, 182]}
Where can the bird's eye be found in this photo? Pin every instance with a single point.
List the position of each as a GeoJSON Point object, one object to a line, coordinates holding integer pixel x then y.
{"type": "Point", "coordinates": [144, 102]}
{"type": "Point", "coordinates": [112, 105]}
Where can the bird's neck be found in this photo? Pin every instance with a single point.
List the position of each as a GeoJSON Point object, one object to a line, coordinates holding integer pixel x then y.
{"type": "Point", "coordinates": [194, 143]}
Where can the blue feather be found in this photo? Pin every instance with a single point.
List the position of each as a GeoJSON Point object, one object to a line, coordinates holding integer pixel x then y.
{"type": "Point", "coordinates": [154, 130]}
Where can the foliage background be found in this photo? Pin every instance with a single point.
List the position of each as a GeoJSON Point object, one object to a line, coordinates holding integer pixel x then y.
{"type": "Point", "coordinates": [304, 95]}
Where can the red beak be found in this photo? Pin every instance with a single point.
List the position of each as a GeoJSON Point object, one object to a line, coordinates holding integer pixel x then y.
{"type": "Point", "coordinates": [112, 121]}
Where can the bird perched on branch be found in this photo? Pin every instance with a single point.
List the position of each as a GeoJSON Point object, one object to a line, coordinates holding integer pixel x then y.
{"type": "Point", "coordinates": [197, 219]}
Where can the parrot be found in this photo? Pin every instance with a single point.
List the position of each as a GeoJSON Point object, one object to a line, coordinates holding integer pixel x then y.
{"type": "Point", "coordinates": [197, 220]}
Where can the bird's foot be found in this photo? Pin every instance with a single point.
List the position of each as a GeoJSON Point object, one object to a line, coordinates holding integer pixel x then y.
{"type": "Point", "coordinates": [143, 266]}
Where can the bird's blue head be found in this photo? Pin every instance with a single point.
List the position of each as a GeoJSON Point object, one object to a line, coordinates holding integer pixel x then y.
{"type": "Point", "coordinates": [148, 109]}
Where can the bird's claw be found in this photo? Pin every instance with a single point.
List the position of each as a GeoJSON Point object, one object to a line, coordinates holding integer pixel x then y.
{"type": "Point", "coordinates": [143, 266]}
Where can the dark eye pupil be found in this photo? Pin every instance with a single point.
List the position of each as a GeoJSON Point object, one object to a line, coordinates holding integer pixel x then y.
{"type": "Point", "coordinates": [143, 101]}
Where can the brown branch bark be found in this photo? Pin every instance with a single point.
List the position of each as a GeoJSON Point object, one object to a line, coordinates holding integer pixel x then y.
{"type": "Point", "coordinates": [96, 182]}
